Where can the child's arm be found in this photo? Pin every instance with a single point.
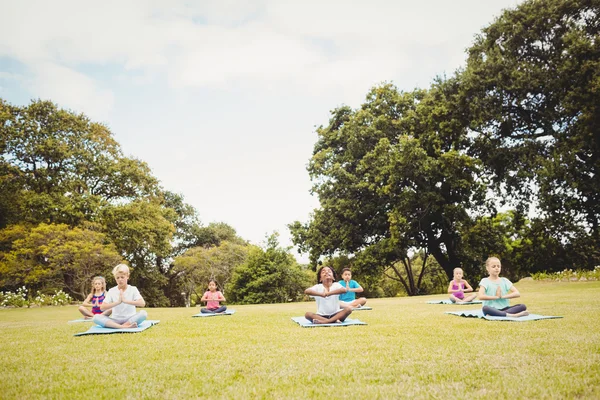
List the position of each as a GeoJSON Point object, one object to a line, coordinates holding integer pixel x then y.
{"type": "Point", "coordinates": [468, 287]}
{"type": "Point", "coordinates": [358, 289]}
{"type": "Point", "coordinates": [140, 302]}
{"type": "Point", "coordinates": [311, 292]}
{"type": "Point", "coordinates": [482, 296]}
{"type": "Point", "coordinates": [204, 298]}
{"type": "Point", "coordinates": [220, 297]}
{"type": "Point", "coordinates": [106, 305]}
{"type": "Point", "coordinates": [451, 290]}
{"type": "Point", "coordinates": [513, 293]}
{"type": "Point", "coordinates": [86, 302]}
{"type": "Point", "coordinates": [340, 290]}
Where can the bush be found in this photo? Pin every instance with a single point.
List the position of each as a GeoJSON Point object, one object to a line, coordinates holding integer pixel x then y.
{"type": "Point", "coordinates": [569, 275]}
{"type": "Point", "coordinates": [19, 299]}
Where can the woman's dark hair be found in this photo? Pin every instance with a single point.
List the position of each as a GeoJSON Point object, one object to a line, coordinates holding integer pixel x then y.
{"type": "Point", "coordinates": [346, 269]}
{"type": "Point", "coordinates": [319, 273]}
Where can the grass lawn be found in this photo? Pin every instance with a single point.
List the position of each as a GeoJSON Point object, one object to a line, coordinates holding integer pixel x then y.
{"type": "Point", "coordinates": [409, 349]}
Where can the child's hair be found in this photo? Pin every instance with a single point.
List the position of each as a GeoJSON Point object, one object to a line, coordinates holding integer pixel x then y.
{"type": "Point", "coordinates": [346, 269]}
{"type": "Point", "coordinates": [101, 279]}
{"type": "Point", "coordinates": [454, 270]}
{"type": "Point", "coordinates": [321, 269]}
{"type": "Point", "coordinates": [487, 262]}
{"type": "Point", "coordinates": [121, 268]}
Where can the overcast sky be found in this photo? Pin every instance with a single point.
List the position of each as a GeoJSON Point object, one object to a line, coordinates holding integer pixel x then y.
{"type": "Point", "coordinates": [222, 98]}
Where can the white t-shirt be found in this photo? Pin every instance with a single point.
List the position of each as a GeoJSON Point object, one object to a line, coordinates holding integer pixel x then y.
{"type": "Point", "coordinates": [330, 304]}
{"type": "Point", "coordinates": [123, 311]}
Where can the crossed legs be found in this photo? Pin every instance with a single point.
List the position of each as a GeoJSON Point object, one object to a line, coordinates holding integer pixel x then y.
{"type": "Point", "coordinates": [340, 316]}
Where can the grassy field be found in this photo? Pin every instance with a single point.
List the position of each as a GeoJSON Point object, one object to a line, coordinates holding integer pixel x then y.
{"type": "Point", "coordinates": [409, 349]}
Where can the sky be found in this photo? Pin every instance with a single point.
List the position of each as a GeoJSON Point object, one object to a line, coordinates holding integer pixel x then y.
{"type": "Point", "coordinates": [222, 98]}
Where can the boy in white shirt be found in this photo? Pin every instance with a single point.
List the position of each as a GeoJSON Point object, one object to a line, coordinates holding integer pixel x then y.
{"type": "Point", "coordinates": [122, 299]}
{"type": "Point", "coordinates": [327, 293]}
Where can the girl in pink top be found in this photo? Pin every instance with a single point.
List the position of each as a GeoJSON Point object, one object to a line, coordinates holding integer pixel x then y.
{"type": "Point", "coordinates": [458, 287]}
{"type": "Point", "coordinates": [212, 297]}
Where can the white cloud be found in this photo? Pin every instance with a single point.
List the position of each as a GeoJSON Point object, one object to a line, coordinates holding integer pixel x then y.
{"type": "Point", "coordinates": [74, 89]}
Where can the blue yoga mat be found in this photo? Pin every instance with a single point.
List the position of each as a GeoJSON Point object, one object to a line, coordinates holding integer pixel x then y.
{"type": "Point", "coordinates": [227, 312]}
{"type": "Point", "coordinates": [478, 313]}
{"type": "Point", "coordinates": [448, 301]}
{"type": "Point", "coordinates": [303, 322]}
{"type": "Point", "coordinates": [98, 330]}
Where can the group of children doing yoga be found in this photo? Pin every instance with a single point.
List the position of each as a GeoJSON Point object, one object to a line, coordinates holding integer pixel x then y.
{"type": "Point", "coordinates": [116, 308]}
{"type": "Point", "coordinates": [494, 292]}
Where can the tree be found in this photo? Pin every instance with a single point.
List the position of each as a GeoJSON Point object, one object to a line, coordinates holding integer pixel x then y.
{"type": "Point", "coordinates": [271, 275]}
{"type": "Point", "coordinates": [59, 167]}
{"type": "Point", "coordinates": [50, 257]}
{"type": "Point", "coordinates": [394, 177]}
{"type": "Point", "coordinates": [200, 264]}
{"type": "Point", "coordinates": [532, 93]}
{"type": "Point", "coordinates": [142, 231]}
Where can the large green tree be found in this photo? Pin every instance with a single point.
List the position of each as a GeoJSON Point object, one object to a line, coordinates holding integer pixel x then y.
{"type": "Point", "coordinates": [394, 176]}
{"type": "Point", "coordinates": [59, 167]}
{"type": "Point", "coordinates": [532, 87]}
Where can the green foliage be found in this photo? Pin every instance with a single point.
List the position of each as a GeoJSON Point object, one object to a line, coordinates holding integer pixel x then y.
{"type": "Point", "coordinates": [392, 177]}
{"type": "Point", "coordinates": [197, 265]}
{"type": "Point", "coordinates": [48, 257]}
{"type": "Point", "coordinates": [415, 171]}
{"type": "Point", "coordinates": [17, 299]}
{"type": "Point", "coordinates": [271, 275]}
{"type": "Point", "coordinates": [532, 91]}
{"type": "Point", "coordinates": [569, 275]}
{"type": "Point", "coordinates": [21, 299]}
{"type": "Point", "coordinates": [60, 167]}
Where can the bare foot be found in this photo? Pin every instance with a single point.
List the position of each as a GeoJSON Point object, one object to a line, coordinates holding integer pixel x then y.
{"type": "Point", "coordinates": [130, 325]}
{"type": "Point", "coordinates": [86, 317]}
{"type": "Point", "coordinates": [517, 315]}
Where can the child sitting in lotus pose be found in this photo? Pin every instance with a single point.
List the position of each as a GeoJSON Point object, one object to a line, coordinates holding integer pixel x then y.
{"type": "Point", "coordinates": [122, 300]}
{"type": "Point", "coordinates": [212, 297]}
{"type": "Point", "coordinates": [349, 299]}
{"type": "Point", "coordinates": [458, 287]}
{"type": "Point", "coordinates": [495, 292]}
{"type": "Point", "coordinates": [326, 293]}
{"type": "Point", "coordinates": [94, 299]}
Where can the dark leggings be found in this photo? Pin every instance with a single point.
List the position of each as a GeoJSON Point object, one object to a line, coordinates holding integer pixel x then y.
{"type": "Point", "coordinates": [215, 311]}
{"type": "Point", "coordinates": [494, 312]}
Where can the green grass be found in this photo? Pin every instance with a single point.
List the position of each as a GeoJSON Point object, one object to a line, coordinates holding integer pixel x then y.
{"type": "Point", "coordinates": [409, 349]}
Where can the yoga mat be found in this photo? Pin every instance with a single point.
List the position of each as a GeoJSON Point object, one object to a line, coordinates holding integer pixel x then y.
{"type": "Point", "coordinates": [362, 308]}
{"type": "Point", "coordinates": [75, 321]}
{"type": "Point", "coordinates": [479, 314]}
{"type": "Point", "coordinates": [448, 301]}
{"type": "Point", "coordinates": [98, 330]}
{"type": "Point", "coordinates": [303, 322]}
{"type": "Point", "coordinates": [227, 312]}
